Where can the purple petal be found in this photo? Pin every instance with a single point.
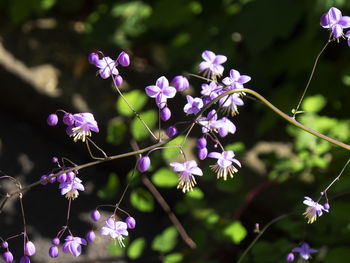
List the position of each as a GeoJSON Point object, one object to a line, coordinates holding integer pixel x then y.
{"type": "Point", "coordinates": [345, 21]}
{"type": "Point", "coordinates": [219, 59]}
{"type": "Point", "coordinates": [208, 55]}
{"type": "Point", "coordinates": [244, 79]}
{"type": "Point", "coordinates": [204, 65]}
{"type": "Point", "coordinates": [162, 82]}
{"type": "Point", "coordinates": [237, 162]}
{"type": "Point", "coordinates": [234, 74]}
{"type": "Point", "coordinates": [324, 21]}
{"type": "Point", "coordinates": [334, 15]}
{"type": "Point", "coordinates": [196, 171]}
{"type": "Point", "coordinates": [215, 155]}
{"type": "Point", "coordinates": [169, 91]}
{"type": "Point", "coordinates": [337, 31]}
{"type": "Point", "coordinates": [152, 91]}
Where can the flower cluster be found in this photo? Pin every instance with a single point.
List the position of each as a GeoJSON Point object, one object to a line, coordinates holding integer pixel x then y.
{"type": "Point", "coordinates": [336, 22]}
{"type": "Point", "coordinates": [29, 250]}
{"type": "Point", "coordinates": [313, 209]}
{"type": "Point", "coordinates": [304, 251]}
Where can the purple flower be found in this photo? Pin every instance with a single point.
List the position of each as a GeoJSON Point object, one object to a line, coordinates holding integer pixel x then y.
{"type": "Point", "coordinates": [73, 245]}
{"type": "Point", "coordinates": [130, 222]}
{"type": "Point", "coordinates": [235, 80]}
{"type": "Point", "coordinates": [144, 164]}
{"type": "Point", "coordinates": [193, 106]}
{"type": "Point", "coordinates": [53, 251]}
{"type": "Point", "coordinates": [224, 164]}
{"type": "Point", "coordinates": [224, 126]}
{"type": "Point", "coordinates": [107, 67]}
{"type": "Point", "coordinates": [335, 21]}
{"type": "Point", "coordinates": [93, 58]}
{"type": "Point", "coordinates": [212, 64]}
{"type": "Point", "coordinates": [186, 171]}
{"type": "Point", "coordinates": [180, 83]}
{"type": "Point", "coordinates": [211, 89]}
{"type": "Point", "coordinates": [208, 122]}
{"type": "Point", "coordinates": [84, 123]}
{"type": "Point", "coordinates": [52, 119]}
{"type": "Point", "coordinates": [29, 248]}
{"type": "Point", "coordinates": [161, 91]}
{"type": "Point", "coordinates": [95, 215]}
{"type": "Point", "coordinates": [304, 251]}
{"type": "Point", "coordinates": [229, 103]}
{"type": "Point", "coordinates": [70, 188]}
{"type": "Point", "coordinates": [116, 229]}
{"type": "Point", "coordinates": [313, 209]}
{"type": "Point", "coordinates": [55, 241]}
{"type": "Point", "coordinates": [7, 256]}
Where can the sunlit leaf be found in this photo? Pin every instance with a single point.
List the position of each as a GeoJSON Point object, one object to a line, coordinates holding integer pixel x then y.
{"type": "Point", "coordinates": [136, 248]}
{"type": "Point", "coordinates": [166, 241]}
{"type": "Point", "coordinates": [110, 190]}
{"type": "Point", "coordinates": [164, 177]}
{"type": "Point", "coordinates": [138, 130]}
{"type": "Point", "coordinates": [173, 258]}
{"type": "Point", "coordinates": [313, 103]}
{"type": "Point", "coordinates": [142, 200]}
{"type": "Point", "coordinates": [136, 98]}
{"type": "Point", "coordinates": [235, 231]}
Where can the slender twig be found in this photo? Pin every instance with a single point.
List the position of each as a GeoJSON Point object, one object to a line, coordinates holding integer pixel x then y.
{"type": "Point", "coordinates": [337, 178]}
{"type": "Point", "coordinates": [167, 209]}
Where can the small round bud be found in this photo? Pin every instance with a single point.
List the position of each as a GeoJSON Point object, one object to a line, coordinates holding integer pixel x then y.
{"type": "Point", "coordinates": [95, 215]}
{"type": "Point", "coordinates": [290, 257]}
{"type": "Point", "coordinates": [52, 120]}
{"type": "Point", "coordinates": [68, 119]}
{"type": "Point", "coordinates": [42, 178]}
{"type": "Point", "coordinates": [70, 176]}
{"type": "Point", "coordinates": [124, 59]}
{"type": "Point", "coordinates": [52, 179]}
{"type": "Point", "coordinates": [55, 241]}
{"type": "Point", "coordinates": [54, 159]}
{"type": "Point", "coordinates": [7, 256]}
{"type": "Point", "coordinates": [62, 178]}
{"type": "Point", "coordinates": [180, 83]}
{"type": "Point", "coordinates": [171, 131]}
{"type": "Point", "coordinates": [202, 153]}
{"type": "Point", "coordinates": [201, 143]}
{"type": "Point", "coordinates": [90, 236]}
{"type": "Point", "coordinates": [29, 248]}
{"type": "Point", "coordinates": [93, 58]}
{"type": "Point", "coordinates": [24, 259]}
{"type": "Point", "coordinates": [144, 164]}
{"type": "Point", "coordinates": [130, 222]}
{"type": "Point", "coordinates": [53, 251]}
{"type": "Point", "coordinates": [118, 80]}
{"type": "Point", "coordinates": [165, 114]}
{"type": "Point", "coordinates": [326, 206]}
{"type": "Point", "coordinates": [4, 244]}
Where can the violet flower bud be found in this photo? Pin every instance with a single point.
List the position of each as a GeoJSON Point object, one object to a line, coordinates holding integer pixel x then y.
{"type": "Point", "coordinates": [24, 259]}
{"type": "Point", "coordinates": [52, 120]}
{"type": "Point", "coordinates": [144, 164]}
{"type": "Point", "coordinates": [326, 206]}
{"type": "Point", "coordinates": [52, 179]}
{"type": "Point", "coordinates": [124, 59]}
{"type": "Point", "coordinates": [130, 222]}
{"type": "Point", "coordinates": [290, 257]}
{"type": "Point", "coordinates": [180, 83]}
{"type": "Point", "coordinates": [7, 256]}
{"type": "Point", "coordinates": [42, 178]}
{"type": "Point", "coordinates": [4, 244]}
{"type": "Point", "coordinates": [29, 248]}
{"type": "Point", "coordinates": [53, 251]}
{"type": "Point", "coordinates": [201, 143]}
{"type": "Point", "coordinates": [62, 178]}
{"type": "Point", "coordinates": [90, 236]}
{"type": "Point", "coordinates": [54, 159]}
{"type": "Point", "coordinates": [118, 80]}
{"type": "Point", "coordinates": [171, 131]}
{"type": "Point", "coordinates": [93, 58]}
{"type": "Point", "coordinates": [68, 119]}
{"type": "Point", "coordinates": [202, 153]}
{"type": "Point", "coordinates": [70, 176]}
{"type": "Point", "coordinates": [165, 114]}
{"type": "Point", "coordinates": [55, 241]}
{"type": "Point", "coordinates": [69, 130]}
{"type": "Point", "coordinates": [95, 215]}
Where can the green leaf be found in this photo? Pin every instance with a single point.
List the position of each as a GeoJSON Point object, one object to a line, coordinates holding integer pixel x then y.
{"type": "Point", "coordinates": [111, 188]}
{"type": "Point", "coordinates": [195, 194]}
{"type": "Point", "coordinates": [142, 200]}
{"type": "Point", "coordinates": [313, 103]}
{"type": "Point", "coordinates": [136, 98]}
{"type": "Point", "coordinates": [164, 177]}
{"type": "Point", "coordinates": [235, 231]}
{"type": "Point", "coordinates": [237, 147]}
{"type": "Point", "coordinates": [116, 131]}
{"type": "Point", "coordinates": [166, 241]}
{"type": "Point", "coordinates": [138, 130]}
{"type": "Point", "coordinates": [173, 258]}
{"type": "Point", "coordinates": [116, 250]}
{"type": "Point", "coordinates": [170, 154]}
{"type": "Point", "coordinates": [136, 248]}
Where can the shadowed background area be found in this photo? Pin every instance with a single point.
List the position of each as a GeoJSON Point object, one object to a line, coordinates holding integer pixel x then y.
{"type": "Point", "coordinates": [44, 46]}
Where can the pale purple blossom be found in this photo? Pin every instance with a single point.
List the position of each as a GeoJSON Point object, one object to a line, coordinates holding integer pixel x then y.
{"type": "Point", "coordinates": [29, 248]}
{"type": "Point", "coordinates": [193, 106]}
{"type": "Point", "coordinates": [304, 251]}
{"type": "Point", "coordinates": [180, 83]}
{"type": "Point", "coordinates": [186, 171]}
{"type": "Point", "coordinates": [107, 67]}
{"type": "Point", "coordinates": [161, 91]}
{"type": "Point", "coordinates": [211, 89]}
{"type": "Point", "coordinates": [116, 229]}
{"type": "Point", "coordinates": [335, 21]}
{"type": "Point", "coordinates": [224, 165]}
{"type": "Point", "coordinates": [208, 122]}
{"type": "Point", "coordinates": [70, 188]}
{"type": "Point", "coordinates": [73, 245]}
{"type": "Point", "coordinates": [235, 80]}
{"type": "Point", "coordinates": [229, 103]}
{"type": "Point", "coordinates": [313, 210]}
{"type": "Point", "coordinates": [84, 123]}
{"type": "Point", "coordinates": [224, 126]}
{"type": "Point", "coordinates": [212, 64]}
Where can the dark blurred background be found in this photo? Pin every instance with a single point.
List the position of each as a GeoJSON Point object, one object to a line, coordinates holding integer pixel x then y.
{"type": "Point", "coordinates": [44, 46]}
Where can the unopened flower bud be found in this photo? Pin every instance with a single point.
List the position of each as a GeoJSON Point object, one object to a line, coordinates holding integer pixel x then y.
{"type": "Point", "coordinates": [24, 259]}
{"type": "Point", "coordinates": [90, 236]}
{"type": "Point", "coordinates": [52, 120]}
{"type": "Point", "coordinates": [171, 131]}
{"type": "Point", "coordinates": [69, 130]}
{"type": "Point", "coordinates": [118, 80]}
{"type": "Point", "coordinates": [4, 244]}
{"type": "Point", "coordinates": [180, 83]}
{"type": "Point", "coordinates": [290, 257]}
{"type": "Point", "coordinates": [54, 159]}
{"type": "Point", "coordinates": [42, 178]}
{"type": "Point", "coordinates": [95, 215]}
{"type": "Point", "coordinates": [201, 143]}
{"type": "Point", "coordinates": [53, 251]}
{"type": "Point", "coordinates": [165, 114]}
{"type": "Point", "coordinates": [144, 164]}
{"type": "Point", "coordinates": [130, 222]}
{"type": "Point", "coordinates": [55, 241]}
{"type": "Point", "coordinates": [62, 178]}
{"type": "Point", "coordinates": [202, 153]}
{"type": "Point", "coordinates": [52, 179]}
{"type": "Point", "coordinates": [124, 59]}
{"type": "Point", "coordinates": [93, 58]}
{"type": "Point", "coordinates": [68, 119]}
{"type": "Point", "coordinates": [7, 256]}
{"type": "Point", "coordinates": [29, 248]}
{"type": "Point", "coordinates": [70, 176]}
{"type": "Point", "coordinates": [326, 206]}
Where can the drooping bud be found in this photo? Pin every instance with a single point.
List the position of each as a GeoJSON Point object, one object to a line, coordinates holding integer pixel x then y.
{"type": "Point", "coordinates": [165, 114]}
{"type": "Point", "coordinates": [130, 222]}
{"type": "Point", "coordinates": [4, 244]}
{"type": "Point", "coordinates": [124, 59]}
{"type": "Point", "coordinates": [326, 206]}
{"type": "Point", "coordinates": [52, 179]}
{"type": "Point", "coordinates": [93, 58]}
{"type": "Point", "coordinates": [180, 83]}
{"type": "Point", "coordinates": [201, 143]}
{"type": "Point", "coordinates": [95, 215]}
{"type": "Point", "coordinates": [24, 259]}
{"type": "Point", "coordinates": [42, 178]}
{"type": "Point", "coordinates": [144, 164]}
{"type": "Point", "coordinates": [68, 119]}
{"type": "Point", "coordinates": [70, 175]}
{"type": "Point", "coordinates": [52, 120]}
{"type": "Point", "coordinates": [29, 248]}
{"type": "Point", "coordinates": [171, 131]}
{"type": "Point", "coordinates": [55, 241]}
{"type": "Point", "coordinates": [290, 257]}
{"type": "Point", "coordinates": [53, 251]}
{"type": "Point", "coordinates": [202, 153]}
{"type": "Point", "coordinates": [62, 178]}
{"type": "Point", "coordinates": [90, 236]}
{"type": "Point", "coordinates": [7, 256]}
{"type": "Point", "coordinates": [118, 80]}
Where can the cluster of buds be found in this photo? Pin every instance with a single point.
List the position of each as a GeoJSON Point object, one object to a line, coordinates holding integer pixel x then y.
{"type": "Point", "coordinates": [29, 250]}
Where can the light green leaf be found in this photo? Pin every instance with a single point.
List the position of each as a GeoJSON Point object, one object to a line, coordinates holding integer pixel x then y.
{"type": "Point", "coordinates": [164, 177]}
{"type": "Point", "coordinates": [173, 258]}
{"type": "Point", "coordinates": [142, 200]}
{"type": "Point", "coordinates": [138, 130]}
{"type": "Point", "coordinates": [166, 241]}
{"type": "Point", "coordinates": [170, 154]}
{"type": "Point", "coordinates": [195, 194]}
{"type": "Point", "coordinates": [116, 131]}
{"type": "Point", "coordinates": [136, 98]}
{"type": "Point", "coordinates": [235, 231]}
{"type": "Point", "coordinates": [313, 103]}
{"type": "Point", "coordinates": [116, 250]}
{"type": "Point", "coordinates": [136, 248]}
{"type": "Point", "coordinates": [111, 188]}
